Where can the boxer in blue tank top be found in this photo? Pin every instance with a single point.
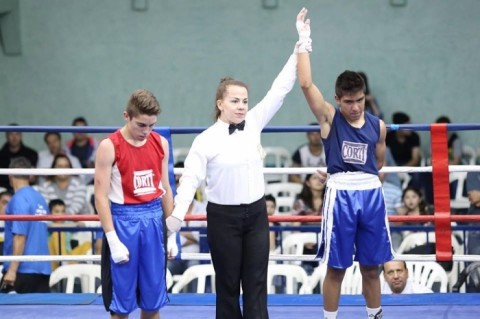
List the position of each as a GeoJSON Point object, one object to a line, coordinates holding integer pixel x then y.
{"type": "Point", "coordinates": [355, 225]}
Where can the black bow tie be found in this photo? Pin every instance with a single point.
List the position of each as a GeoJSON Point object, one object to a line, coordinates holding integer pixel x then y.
{"type": "Point", "coordinates": [232, 127]}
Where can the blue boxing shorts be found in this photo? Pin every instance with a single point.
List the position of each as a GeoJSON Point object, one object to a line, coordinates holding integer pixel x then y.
{"type": "Point", "coordinates": [141, 282]}
{"type": "Point", "coordinates": [354, 224]}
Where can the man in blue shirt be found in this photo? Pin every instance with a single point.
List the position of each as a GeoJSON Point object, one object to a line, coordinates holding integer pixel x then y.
{"type": "Point", "coordinates": [25, 237]}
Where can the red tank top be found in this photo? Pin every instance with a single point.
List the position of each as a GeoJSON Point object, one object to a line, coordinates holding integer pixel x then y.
{"type": "Point", "coordinates": [137, 171]}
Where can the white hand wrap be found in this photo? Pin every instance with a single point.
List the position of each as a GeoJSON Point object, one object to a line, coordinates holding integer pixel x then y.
{"type": "Point", "coordinates": [303, 29]}
{"type": "Point", "coordinates": [303, 46]}
{"type": "Point", "coordinates": [172, 246]}
{"type": "Point", "coordinates": [118, 251]}
{"type": "Point", "coordinates": [173, 223]}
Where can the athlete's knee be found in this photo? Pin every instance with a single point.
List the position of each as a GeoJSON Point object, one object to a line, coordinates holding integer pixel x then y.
{"type": "Point", "coordinates": [369, 272]}
{"type": "Point", "coordinates": [335, 274]}
{"type": "Point", "coordinates": [150, 314]}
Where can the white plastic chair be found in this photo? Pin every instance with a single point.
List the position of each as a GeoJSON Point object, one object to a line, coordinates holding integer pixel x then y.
{"type": "Point", "coordinates": [284, 206]}
{"type": "Point", "coordinates": [199, 272]}
{"type": "Point", "coordinates": [351, 284]}
{"type": "Point", "coordinates": [285, 194]}
{"type": "Point", "coordinates": [404, 179]}
{"type": "Point", "coordinates": [317, 277]}
{"type": "Point", "coordinates": [88, 273]}
{"type": "Point", "coordinates": [277, 157]}
{"type": "Point", "coordinates": [179, 154]}
{"type": "Point", "coordinates": [283, 189]}
{"type": "Point", "coordinates": [427, 274]}
{"type": "Point", "coordinates": [420, 238]}
{"type": "Point", "coordinates": [294, 243]}
{"type": "Point", "coordinates": [469, 155]}
{"type": "Point", "coordinates": [169, 279]}
{"type": "Point", "coordinates": [294, 275]}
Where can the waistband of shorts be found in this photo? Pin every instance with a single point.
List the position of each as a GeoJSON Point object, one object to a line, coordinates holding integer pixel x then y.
{"type": "Point", "coordinates": [153, 207]}
{"type": "Point", "coordinates": [354, 181]}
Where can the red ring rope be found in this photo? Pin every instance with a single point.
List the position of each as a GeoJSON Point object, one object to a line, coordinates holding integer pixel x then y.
{"type": "Point", "coordinates": [275, 218]}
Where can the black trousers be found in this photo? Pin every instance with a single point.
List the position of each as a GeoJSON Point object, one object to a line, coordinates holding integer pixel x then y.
{"type": "Point", "coordinates": [239, 245]}
{"type": "Point", "coordinates": [28, 283]}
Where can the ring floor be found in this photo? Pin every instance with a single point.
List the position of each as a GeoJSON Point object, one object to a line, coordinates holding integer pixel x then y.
{"type": "Point", "coordinates": [195, 306]}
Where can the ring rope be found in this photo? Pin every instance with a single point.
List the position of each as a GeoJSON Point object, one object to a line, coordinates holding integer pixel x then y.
{"type": "Point", "coordinates": [191, 130]}
{"type": "Point", "coordinates": [206, 256]}
{"type": "Point", "coordinates": [266, 170]}
{"type": "Point", "coordinates": [274, 218]}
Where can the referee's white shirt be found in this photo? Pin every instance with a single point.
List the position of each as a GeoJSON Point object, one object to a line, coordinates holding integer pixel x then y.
{"type": "Point", "coordinates": [232, 165]}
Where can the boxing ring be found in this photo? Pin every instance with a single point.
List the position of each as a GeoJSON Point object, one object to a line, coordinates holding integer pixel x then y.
{"type": "Point", "coordinates": [199, 306]}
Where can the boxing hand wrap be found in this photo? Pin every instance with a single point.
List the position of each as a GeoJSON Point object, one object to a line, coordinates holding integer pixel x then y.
{"type": "Point", "coordinates": [304, 46]}
{"type": "Point", "coordinates": [303, 29]}
{"type": "Point", "coordinates": [174, 221]}
{"type": "Point", "coordinates": [172, 246]}
{"type": "Point", "coordinates": [118, 251]}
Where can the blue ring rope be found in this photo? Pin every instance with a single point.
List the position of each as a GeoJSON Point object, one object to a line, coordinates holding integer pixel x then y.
{"type": "Point", "coordinates": [198, 129]}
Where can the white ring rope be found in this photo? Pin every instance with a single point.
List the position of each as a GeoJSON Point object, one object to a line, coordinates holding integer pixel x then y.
{"type": "Point", "coordinates": [266, 170]}
{"type": "Point", "coordinates": [206, 256]}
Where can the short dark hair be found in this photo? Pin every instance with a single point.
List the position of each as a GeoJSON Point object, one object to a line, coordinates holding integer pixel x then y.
{"type": "Point", "coordinates": [20, 162]}
{"type": "Point", "coordinates": [270, 197]}
{"type": "Point", "coordinates": [79, 119]}
{"type": "Point", "coordinates": [443, 119]}
{"type": "Point", "coordinates": [55, 202]}
{"type": "Point", "coordinates": [400, 118]}
{"type": "Point", "coordinates": [349, 82]}
{"type": "Point", "coordinates": [51, 133]}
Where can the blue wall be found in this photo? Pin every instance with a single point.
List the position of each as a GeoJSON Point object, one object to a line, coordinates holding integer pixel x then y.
{"type": "Point", "coordinates": [84, 57]}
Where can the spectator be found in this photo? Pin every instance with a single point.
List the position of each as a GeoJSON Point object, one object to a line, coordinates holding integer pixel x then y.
{"type": "Point", "coordinates": [69, 188]}
{"type": "Point", "coordinates": [12, 148]}
{"type": "Point", "coordinates": [5, 197]}
{"type": "Point", "coordinates": [371, 104]}
{"type": "Point", "coordinates": [404, 144]}
{"type": "Point", "coordinates": [454, 143]}
{"type": "Point", "coordinates": [61, 242]}
{"type": "Point", "coordinates": [25, 237]}
{"type": "Point", "coordinates": [406, 151]}
{"type": "Point", "coordinates": [310, 200]}
{"type": "Point", "coordinates": [413, 204]}
{"type": "Point", "coordinates": [308, 155]}
{"type": "Point", "coordinates": [271, 207]}
{"type": "Point", "coordinates": [395, 273]}
{"type": "Point", "coordinates": [53, 140]}
{"type": "Point", "coordinates": [83, 146]}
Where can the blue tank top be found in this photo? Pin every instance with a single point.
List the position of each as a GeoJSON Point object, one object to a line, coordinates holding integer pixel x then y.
{"type": "Point", "coordinates": [351, 149]}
